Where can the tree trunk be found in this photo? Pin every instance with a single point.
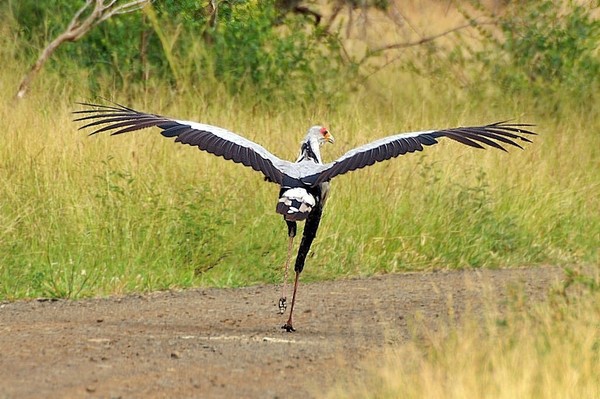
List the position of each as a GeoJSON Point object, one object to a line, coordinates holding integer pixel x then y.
{"type": "Point", "coordinates": [75, 31]}
{"type": "Point", "coordinates": [48, 51]}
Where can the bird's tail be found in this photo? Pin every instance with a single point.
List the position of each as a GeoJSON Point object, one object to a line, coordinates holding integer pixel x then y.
{"type": "Point", "coordinates": [295, 204]}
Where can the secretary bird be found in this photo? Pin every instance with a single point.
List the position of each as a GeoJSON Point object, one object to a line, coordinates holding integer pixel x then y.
{"type": "Point", "coordinates": [304, 184]}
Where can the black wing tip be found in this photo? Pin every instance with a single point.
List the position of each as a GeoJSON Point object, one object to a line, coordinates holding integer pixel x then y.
{"type": "Point", "coordinates": [491, 135]}
{"type": "Point", "coordinates": [97, 108]}
{"type": "Point", "coordinates": [516, 127]}
{"type": "Point", "coordinates": [110, 117]}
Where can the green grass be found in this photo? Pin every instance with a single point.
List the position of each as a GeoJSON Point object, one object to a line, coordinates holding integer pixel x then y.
{"type": "Point", "coordinates": [86, 216]}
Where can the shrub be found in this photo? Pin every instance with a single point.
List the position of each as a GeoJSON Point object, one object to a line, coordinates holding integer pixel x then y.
{"type": "Point", "coordinates": [547, 48]}
{"type": "Point", "coordinates": [249, 49]}
{"type": "Point", "coordinates": [284, 62]}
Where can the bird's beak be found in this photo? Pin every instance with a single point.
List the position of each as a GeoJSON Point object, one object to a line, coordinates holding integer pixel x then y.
{"type": "Point", "coordinates": [329, 138]}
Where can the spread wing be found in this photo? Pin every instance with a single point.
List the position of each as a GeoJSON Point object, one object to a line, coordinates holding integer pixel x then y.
{"type": "Point", "coordinates": [389, 147]}
{"type": "Point", "coordinates": [119, 119]}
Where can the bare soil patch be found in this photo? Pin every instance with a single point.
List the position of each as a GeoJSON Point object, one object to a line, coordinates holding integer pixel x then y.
{"type": "Point", "coordinates": [225, 343]}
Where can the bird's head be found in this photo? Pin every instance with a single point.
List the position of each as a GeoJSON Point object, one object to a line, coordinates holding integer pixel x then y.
{"type": "Point", "coordinates": [321, 134]}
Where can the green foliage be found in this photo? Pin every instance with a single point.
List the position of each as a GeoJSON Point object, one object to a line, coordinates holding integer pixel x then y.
{"type": "Point", "coordinates": [191, 14]}
{"type": "Point", "coordinates": [277, 62]}
{"type": "Point", "coordinates": [548, 47]}
{"type": "Point", "coordinates": [249, 49]}
{"type": "Point", "coordinates": [118, 52]}
{"type": "Point", "coordinates": [36, 24]}
{"type": "Point", "coordinates": [544, 50]}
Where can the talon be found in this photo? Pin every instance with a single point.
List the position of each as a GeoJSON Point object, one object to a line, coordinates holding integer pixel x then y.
{"type": "Point", "coordinates": [288, 327]}
{"type": "Point", "coordinates": [282, 305]}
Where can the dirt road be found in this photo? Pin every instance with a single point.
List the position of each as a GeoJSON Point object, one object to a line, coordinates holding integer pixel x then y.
{"type": "Point", "coordinates": [226, 343]}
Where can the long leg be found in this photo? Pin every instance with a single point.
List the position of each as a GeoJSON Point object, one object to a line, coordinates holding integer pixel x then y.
{"type": "Point", "coordinates": [291, 234]}
{"type": "Point", "coordinates": [309, 234]}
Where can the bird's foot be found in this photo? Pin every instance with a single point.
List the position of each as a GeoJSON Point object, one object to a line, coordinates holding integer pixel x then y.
{"type": "Point", "coordinates": [288, 327]}
{"type": "Point", "coordinates": [282, 305]}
